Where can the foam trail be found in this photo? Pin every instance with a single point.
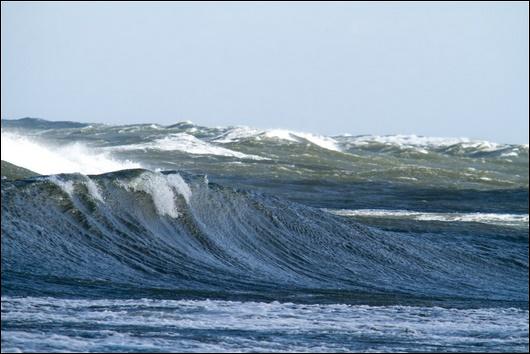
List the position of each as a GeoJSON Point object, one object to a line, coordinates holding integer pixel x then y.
{"type": "Point", "coordinates": [485, 218]}
{"type": "Point", "coordinates": [179, 326]}
{"type": "Point", "coordinates": [189, 144]}
{"type": "Point", "coordinates": [44, 159]}
{"type": "Point", "coordinates": [408, 141]}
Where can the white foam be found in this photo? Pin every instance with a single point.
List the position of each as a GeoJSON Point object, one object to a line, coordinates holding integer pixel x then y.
{"type": "Point", "coordinates": [486, 218]}
{"type": "Point", "coordinates": [406, 140]}
{"type": "Point", "coordinates": [66, 186]}
{"type": "Point", "coordinates": [187, 143]}
{"type": "Point", "coordinates": [322, 141]}
{"type": "Point", "coordinates": [510, 154]}
{"type": "Point", "coordinates": [69, 186]}
{"type": "Point", "coordinates": [47, 159]}
{"type": "Point", "coordinates": [238, 133]}
{"type": "Point", "coordinates": [280, 134]}
{"type": "Point", "coordinates": [416, 141]}
{"type": "Point", "coordinates": [93, 189]}
{"type": "Point", "coordinates": [161, 189]}
{"type": "Point", "coordinates": [45, 323]}
{"type": "Point", "coordinates": [177, 182]}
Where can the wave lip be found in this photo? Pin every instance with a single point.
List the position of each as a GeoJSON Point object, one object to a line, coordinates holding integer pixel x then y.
{"type": "Point", "coordinates": [161, 189]}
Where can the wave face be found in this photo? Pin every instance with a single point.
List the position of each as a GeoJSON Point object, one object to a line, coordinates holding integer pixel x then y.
{"type": "Point", "coordinates": [154, 230]}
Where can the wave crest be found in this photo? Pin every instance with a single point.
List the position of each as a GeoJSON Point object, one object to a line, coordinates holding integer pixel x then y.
{"type": "Point", "coordinates": [45, 158]}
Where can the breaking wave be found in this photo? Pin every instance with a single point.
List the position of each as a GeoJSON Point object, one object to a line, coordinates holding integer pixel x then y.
{"type": "Point", "coordinates": [175, 231]}
{"type": "Point", "coordinates": [187, 143]}
{"type": "Point", "coordinates": [45, 158]}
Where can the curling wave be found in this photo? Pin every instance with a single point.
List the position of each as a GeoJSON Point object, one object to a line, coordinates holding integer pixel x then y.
{"type": "Point", "coordinates": [177, 232]}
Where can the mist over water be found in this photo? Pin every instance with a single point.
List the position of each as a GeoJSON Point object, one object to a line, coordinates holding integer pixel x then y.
{"type": "Point", "coordinates": [49, 159]}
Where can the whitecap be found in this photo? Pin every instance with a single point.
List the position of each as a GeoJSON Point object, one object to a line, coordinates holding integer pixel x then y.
{"type": "Point", "coordinates": [47, 159]}
{"type": "Point", "coordinates": [161, 189]}
{"type": "Point", "coordinates": [187, 143]}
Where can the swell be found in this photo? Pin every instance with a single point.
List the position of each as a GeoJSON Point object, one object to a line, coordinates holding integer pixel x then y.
{"type": "Point", "coordinates": [177, 232]}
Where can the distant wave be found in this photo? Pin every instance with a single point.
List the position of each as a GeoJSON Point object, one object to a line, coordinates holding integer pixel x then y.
{"type": "Point", "coordinates": [426, 145]}
{"type": "Point", "coordinates": [187, 143]}
{"type": "Point", "coordinates": [344, 142]}
{"type": "Point", "coordinates": [196, 139]}
{"type": "Point", "coordinates": [237, 134]}
{"type": "Point", "coordinates": [266, 153]}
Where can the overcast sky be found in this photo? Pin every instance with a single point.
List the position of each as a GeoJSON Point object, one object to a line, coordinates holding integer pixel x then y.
{"type": "Point", "coordinates": [458, 69]}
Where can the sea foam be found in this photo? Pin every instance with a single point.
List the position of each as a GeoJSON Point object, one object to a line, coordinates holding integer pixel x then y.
{"type": "Point", "coordinates": [236, 134]}
{"type": "Point", "coordinates": [188, 143]}
{"type": "Point", "coordinates": [160, 187]}
{"type": "Point", "coordinates": [46, 159]}
{"type": "Point", "coordinates": [485, 218]}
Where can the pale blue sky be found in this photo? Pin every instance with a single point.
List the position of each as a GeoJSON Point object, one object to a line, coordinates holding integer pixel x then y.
{"type": "Point", "coordinates": [458, 69]}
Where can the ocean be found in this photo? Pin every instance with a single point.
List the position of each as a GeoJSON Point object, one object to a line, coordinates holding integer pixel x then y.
{"type": "Point", "coordinates": [188, 238]}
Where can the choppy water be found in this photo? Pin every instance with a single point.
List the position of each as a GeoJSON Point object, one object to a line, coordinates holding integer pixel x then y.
{"type": "Point", "coordinates": [238, 239]}
{"type": "Point", "coordinates": [205, 325]}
